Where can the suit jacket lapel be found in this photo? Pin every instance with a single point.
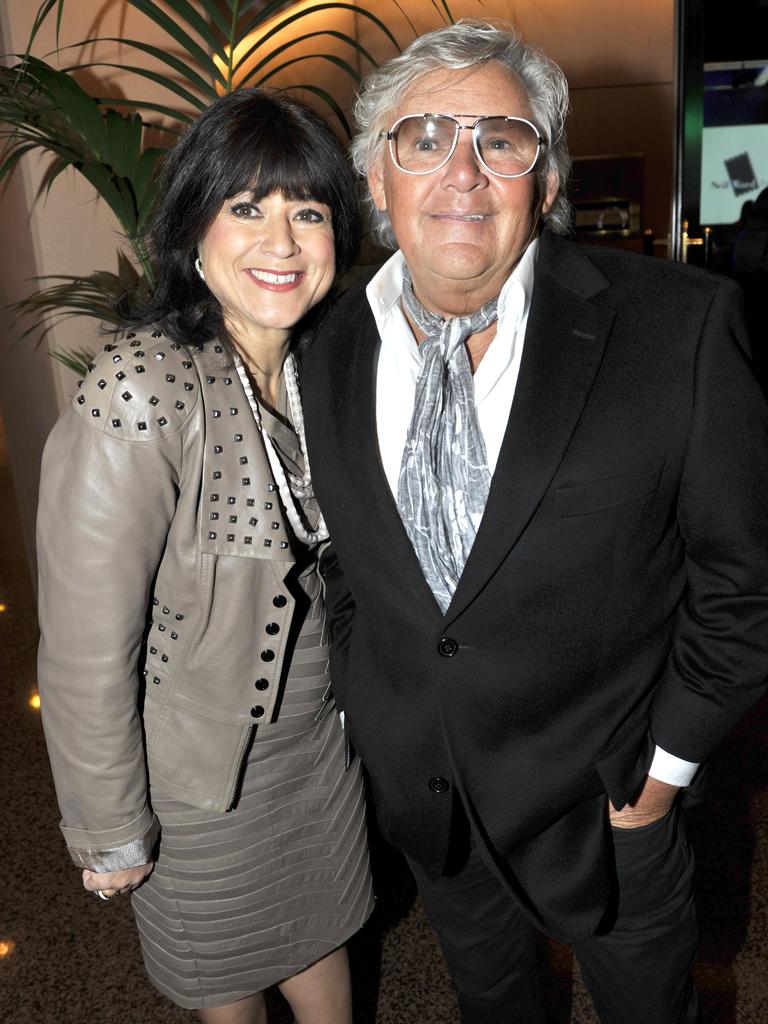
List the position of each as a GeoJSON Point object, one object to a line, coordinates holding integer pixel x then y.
{"type": "Point", "coordinates": [564, 342]}
{"type": "Point", "coordinates": [355, 416]}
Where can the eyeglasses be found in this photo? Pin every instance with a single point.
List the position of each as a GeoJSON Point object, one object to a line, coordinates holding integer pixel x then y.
{"type": "Point", "coordinates": [506, 146]}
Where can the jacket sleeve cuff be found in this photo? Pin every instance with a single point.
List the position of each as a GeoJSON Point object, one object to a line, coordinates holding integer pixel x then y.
{"type": "Point", "coordinates": [666, 767]}
{"type": "Point", "coordinates": [114, 849]}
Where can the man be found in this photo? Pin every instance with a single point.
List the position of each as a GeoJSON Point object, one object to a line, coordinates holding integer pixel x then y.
{"type": "Point", "coordinates": [545, 474]}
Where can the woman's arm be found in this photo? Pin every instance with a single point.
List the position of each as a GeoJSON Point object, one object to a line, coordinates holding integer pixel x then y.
{"type": "Point", "coordinates": [106, 503]}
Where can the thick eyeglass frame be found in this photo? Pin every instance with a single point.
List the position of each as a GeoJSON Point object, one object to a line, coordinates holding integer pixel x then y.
{"type": "Point", "coordinates": [390, 136]}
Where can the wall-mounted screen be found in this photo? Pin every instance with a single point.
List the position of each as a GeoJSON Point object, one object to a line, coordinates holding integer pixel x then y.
{"type": "Point", "coordinates": [734, 151]}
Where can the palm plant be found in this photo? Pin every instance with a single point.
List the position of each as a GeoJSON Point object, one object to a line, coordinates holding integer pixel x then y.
{"type": "Point", "coordinates": [213, 47]}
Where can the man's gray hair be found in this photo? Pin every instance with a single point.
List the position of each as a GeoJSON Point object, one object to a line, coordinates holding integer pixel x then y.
{"type": "Point", "coordinates": [465, 45]}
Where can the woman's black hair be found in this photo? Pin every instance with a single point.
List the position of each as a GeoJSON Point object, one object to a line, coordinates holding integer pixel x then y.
{"type": "Point", "coordinates": [250, 140]}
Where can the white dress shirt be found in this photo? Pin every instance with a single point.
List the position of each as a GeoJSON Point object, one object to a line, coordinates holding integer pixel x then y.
{"type": "Point", "coordinates": [495, 380]}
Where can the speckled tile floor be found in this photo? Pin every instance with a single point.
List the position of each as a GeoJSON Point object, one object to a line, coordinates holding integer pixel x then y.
{"type": "Point", "coordinates": [75, 960]}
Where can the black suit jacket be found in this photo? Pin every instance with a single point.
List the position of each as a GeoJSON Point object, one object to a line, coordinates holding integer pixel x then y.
{"type": "Point", "coordinates": [616, 595]}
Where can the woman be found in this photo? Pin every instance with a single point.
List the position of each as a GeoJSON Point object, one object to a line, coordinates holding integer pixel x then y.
{"type": "Point", "coordinates": [197, 757]}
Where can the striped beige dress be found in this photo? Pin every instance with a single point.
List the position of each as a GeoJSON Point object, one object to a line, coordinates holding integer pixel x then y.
{"type": "Point", "coordinates": [242, 900]}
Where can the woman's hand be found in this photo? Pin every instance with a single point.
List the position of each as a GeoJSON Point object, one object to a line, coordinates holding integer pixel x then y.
{"type": "Point", "coordinates": [116, 883]}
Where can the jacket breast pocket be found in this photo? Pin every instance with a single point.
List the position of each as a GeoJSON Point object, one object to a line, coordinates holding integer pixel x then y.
{"type": "Point", "coordinates": [608, 493]}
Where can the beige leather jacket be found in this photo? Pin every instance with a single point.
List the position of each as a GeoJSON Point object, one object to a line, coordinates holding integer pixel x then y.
{"type": "Point", "coordinates": [165, 579]}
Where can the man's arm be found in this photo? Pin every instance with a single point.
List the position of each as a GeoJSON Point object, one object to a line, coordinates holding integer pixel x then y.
{"type": "Point", "coordinates": [340, 612]}
{"type": "Point", "coordinates": [719, 661]}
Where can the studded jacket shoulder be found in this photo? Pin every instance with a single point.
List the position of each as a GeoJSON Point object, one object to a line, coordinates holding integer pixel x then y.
{"type": "Point", "coordinates": [141, 388]}
{"type": "Point", "coordinates": [163, 555]}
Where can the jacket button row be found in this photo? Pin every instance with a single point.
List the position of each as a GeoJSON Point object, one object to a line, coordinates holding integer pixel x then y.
{"type": "Point", "coordinates": [257, 711]}
{"type": "Point", "coordinates": [447, 647]}
{"type": "Point", "coordinates": [280, 601]}
{"type": "Point", "coordinates": [262, 684]}
{"type": "Point", "coordinates": [439, 785]}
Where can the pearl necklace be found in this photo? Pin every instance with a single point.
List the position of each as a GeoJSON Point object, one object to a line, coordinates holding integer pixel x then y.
{"type": "Point", "coordinates": [292, 488]}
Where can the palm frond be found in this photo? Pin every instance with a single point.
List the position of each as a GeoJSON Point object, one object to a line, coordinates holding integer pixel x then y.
{"type": "Point", "coordinates": [43, 108]}
{"type": "Point", "coordinates": [93, 295]}
{"type": "Point", "coordinates": [210, 40]}
{"type": "Point", "coordinates": [79, 360]}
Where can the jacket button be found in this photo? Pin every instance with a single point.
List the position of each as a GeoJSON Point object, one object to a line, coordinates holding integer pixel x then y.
{"type": "Point", "coordinates": [439, 785]}
{"type": "Point", "coordinates": [272, 628]}
{"type": "Point", "coordinates": [257, 712]}
{"type": "Point", "coordinates": [267, 655]}
{"type": "Point", "coordinates": [447, 647]}
{"type": "Point", "coordinates": [262, 684]}
{"type": "Point", "coordinates": [279, 600]}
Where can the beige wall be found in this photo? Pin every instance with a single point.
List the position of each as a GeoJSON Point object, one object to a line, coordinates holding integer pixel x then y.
{"type": "Point", "coordinates": [618, 58]}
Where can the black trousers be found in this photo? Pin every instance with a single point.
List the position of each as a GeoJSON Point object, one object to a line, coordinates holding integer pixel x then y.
{"type": "Point", "coordinates": [637, 968]}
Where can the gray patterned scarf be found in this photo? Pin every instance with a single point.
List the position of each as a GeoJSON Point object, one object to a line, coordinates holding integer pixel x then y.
{"type": "Point", "coordinates": [444, 476]}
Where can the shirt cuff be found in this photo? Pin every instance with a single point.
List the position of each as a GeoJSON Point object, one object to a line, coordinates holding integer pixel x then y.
{"type": "Point", "coordinates": [673, 770]}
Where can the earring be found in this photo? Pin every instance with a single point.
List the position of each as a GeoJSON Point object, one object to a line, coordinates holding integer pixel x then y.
{"type": "Point", "coordinates": [199, 268]}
